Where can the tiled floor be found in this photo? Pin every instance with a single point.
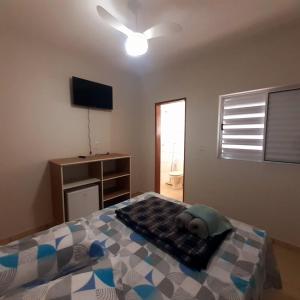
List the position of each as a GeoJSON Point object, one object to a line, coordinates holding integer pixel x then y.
{"type": "Point", "coordinates": [168, 191]}
{"type": "Point", "coordinates": [289, 265]}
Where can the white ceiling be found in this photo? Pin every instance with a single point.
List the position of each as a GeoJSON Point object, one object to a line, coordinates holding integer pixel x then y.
{"type": "Point", "coordinates": [74, 24]}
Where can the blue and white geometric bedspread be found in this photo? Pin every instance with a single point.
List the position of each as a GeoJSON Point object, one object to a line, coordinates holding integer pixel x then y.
{"type": "Point", "coordinates": [135, 269]}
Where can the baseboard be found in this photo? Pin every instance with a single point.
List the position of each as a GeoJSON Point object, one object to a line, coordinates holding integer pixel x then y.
{"type": "Point", "coordinates": [285, 245]}
{"type": "Point", "coordinates": [25, 233]}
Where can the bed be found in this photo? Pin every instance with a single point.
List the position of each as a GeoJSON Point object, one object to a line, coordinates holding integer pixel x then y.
{"type": "Point", "coordinates": [132, 268]}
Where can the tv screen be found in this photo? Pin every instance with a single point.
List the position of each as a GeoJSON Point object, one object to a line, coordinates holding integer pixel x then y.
{"type": "Point", "coordinates": [91, 94]}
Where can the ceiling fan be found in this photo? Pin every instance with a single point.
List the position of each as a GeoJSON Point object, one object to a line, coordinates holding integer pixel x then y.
{"type": "Point", "coordinates": [137, 42]}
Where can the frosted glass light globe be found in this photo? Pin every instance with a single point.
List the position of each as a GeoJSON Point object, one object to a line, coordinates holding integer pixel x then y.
{"type": "Point", "coordinates": [136, 44]}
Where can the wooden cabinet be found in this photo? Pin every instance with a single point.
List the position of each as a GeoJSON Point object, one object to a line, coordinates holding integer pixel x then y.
{"type": "Point", "coordinates": [111, 172]}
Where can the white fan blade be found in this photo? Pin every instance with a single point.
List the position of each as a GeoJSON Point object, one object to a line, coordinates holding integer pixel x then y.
{"type": "Point", "coordinates": [162, 30]}
{"type": "Point", "coordinates": [112, 21]}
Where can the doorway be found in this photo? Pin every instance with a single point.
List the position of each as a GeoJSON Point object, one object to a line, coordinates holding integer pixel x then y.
{"type": "Point", "coordinates": [170, 118]}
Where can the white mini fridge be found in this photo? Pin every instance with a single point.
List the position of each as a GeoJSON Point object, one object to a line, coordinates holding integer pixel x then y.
{"type": "Point", "coordinates": [82, 202]}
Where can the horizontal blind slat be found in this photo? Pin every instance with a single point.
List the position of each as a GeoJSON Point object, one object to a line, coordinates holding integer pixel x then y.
{"type": "Point", "coordinates": [244, 121]}
{"type": "Point", "coordinates": [244, 131]}
{"type": "Point", "coordinates": [255, 142]}
{"type": "Point", "coordinates": [242, 137]}
{"type": "Point", "coordinates": [245, 110]}
{"type": "Point", "coordinates": [249, 99]}
{"type": "Point", "coordinates": [243, 126]}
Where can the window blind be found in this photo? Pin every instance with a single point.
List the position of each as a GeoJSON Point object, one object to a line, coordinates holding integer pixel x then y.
{"type": "Point", "coordinates": [243, 126]}
{"type": "Point", "coordinates": [283, 127]}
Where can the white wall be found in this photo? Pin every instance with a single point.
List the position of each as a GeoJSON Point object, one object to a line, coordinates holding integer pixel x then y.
{"type": "Point", "coordinates": [38, 123]}
{"type": "Point", "coordinates": [266, 195]}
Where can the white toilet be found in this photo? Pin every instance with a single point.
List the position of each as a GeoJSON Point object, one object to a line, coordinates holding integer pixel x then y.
{"type": "Point", "coordinates": [176, 179]}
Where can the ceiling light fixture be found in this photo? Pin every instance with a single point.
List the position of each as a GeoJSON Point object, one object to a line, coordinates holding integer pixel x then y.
{"type": "Point", "coordinates": [136, 44]}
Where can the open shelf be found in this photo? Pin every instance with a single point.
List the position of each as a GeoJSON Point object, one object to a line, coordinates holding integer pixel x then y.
{"type": "Point", "coordinates": [114, 193]}
{"type": "Point", "coordinates": [116, 168]}
{"type": "Point", "coordinates": [79, 183]}
{"type": "Point", "coordinates": [116, 187]}
{"type": "Point", "coordinates": [74, 176]}
{"type": "Point", "coordinates": [114, 175]}
{"type": "Point", "coordinates": [111, 173]}
{"type": "Point", "coordinates": [116, 200]}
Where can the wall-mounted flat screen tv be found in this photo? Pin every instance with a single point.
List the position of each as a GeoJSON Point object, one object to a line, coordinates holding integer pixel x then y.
{"type": "Point", "coordinates": [91, 94]}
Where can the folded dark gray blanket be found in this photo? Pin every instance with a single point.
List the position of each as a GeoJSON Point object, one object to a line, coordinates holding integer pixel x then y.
{"type": "Point", "coordinates": [154, 218]}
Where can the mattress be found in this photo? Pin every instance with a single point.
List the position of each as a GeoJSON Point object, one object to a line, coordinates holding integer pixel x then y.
{"type": "Point", "coordinates": [135, 269]}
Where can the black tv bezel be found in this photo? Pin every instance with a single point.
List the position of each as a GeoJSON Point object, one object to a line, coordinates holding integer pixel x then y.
{"type": "Point", "coordinates": [89, 106]}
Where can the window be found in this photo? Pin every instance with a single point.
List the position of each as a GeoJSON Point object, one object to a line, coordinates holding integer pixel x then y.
{"type": "Point", "coordinates": [243, 126]}
{"type": "Point", "coordinates": [261, 125]}
{"type": "Point", "coordinates": [283, 127]}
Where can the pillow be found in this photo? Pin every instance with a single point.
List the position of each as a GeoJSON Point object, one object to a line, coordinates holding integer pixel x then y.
{"type": "Point", "coordinates": [48, 255]}
{"type": "Point", "coordinates": [215, 221]}
{"type": "Point", "coordinates": [102, 280]}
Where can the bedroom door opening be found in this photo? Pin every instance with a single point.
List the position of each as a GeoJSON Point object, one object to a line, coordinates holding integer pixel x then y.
{"type": "Point", "coordinates": [170, 148]}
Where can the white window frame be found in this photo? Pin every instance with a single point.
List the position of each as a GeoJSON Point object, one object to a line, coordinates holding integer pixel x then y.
{"type": "Point", "coordinates": [267, 91]}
